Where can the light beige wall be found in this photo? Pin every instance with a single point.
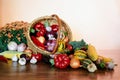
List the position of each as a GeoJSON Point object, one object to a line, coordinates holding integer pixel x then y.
{"type": "Point", "coordinates": [118, 5]}
{"type": "Point", "coordinates": [96, 21]}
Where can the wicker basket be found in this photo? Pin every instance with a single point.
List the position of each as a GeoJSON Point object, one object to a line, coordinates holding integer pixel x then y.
{"type": "Point", "coordinates": [51, 19]}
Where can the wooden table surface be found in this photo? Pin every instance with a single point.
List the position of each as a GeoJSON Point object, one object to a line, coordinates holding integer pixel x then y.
{"type": "Point", "coordinates": [43, 71]}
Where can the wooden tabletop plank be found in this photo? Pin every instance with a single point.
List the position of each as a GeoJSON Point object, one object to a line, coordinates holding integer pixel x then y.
{"type": "Point", "coordinates": [43, 71]}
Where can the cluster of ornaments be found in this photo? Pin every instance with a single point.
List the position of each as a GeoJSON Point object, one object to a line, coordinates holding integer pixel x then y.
{"type": "Point", "coordinates": [44, 35]}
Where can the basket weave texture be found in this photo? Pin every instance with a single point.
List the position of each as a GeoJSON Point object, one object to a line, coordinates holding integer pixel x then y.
{"type": "Point", "coordinates": [53, 19]}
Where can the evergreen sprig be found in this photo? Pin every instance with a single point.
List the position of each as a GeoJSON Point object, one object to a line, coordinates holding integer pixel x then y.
{"type": "Point", "coordinates": [78, 44]}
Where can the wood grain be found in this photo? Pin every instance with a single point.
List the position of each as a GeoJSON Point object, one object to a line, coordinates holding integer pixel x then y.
{"type": "Point", "coordinates": [43, 71]}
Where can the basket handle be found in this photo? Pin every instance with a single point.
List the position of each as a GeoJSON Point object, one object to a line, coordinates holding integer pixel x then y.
{"type": "Point", "coordinates": [59, 24]}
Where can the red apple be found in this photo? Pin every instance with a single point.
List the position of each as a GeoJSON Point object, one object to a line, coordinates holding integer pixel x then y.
{"type": "Point", "coordinates": [37, 56]}
{"type": "Point", "coordinates": [38, 26]}
{"type": "Point", "coordinates": [55, 28]}
{"type": "Point", "coordinates": [69, 47]}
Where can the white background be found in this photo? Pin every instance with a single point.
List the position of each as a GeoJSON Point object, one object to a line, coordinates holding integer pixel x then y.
{"type": "Point", "coordinates": [96, 21]}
